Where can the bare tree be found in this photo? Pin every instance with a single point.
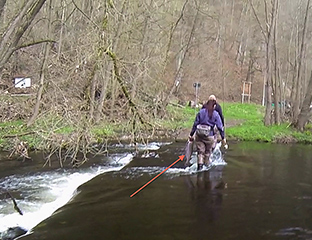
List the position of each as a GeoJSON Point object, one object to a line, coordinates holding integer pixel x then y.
{"type": "Point", "coordinates": [267, 33]}
{"type": "Point", "coordinates": [275, 77]}
{"type": "Point", "coordinates": [305, 112]}
{"type": "Point", "coordinates": [11, 38]}
{"type": "Point", "coordinates": [182, 56]}
{"type": "Point", "coordinates": [2, 4]}
{"type": "Point", "coordinates": [299, 73]}
{"type": "Point", "coordinates": [42, 71]}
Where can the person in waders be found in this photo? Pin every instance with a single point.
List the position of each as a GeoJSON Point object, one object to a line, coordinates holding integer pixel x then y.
{"type": "Point", "coordinates": [203, 132]}
{"type": "Point", "coordinates": [219, 110]}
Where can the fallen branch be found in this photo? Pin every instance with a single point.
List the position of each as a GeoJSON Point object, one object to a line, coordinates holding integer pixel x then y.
{"type": "Point", "coordinates": [18, 135]}
{"type": "Point", "coordinates": [15, 204]}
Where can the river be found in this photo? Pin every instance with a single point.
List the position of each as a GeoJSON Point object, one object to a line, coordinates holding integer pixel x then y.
{"type": "Point", "coordinates": [261, 191]}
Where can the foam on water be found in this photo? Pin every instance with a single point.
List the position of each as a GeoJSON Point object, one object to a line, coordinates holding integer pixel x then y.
{"type": "Point", "coordinates": [148, 146]}
{"type": "Point", "coordinates": [216, 159]}
{"type": "Point", "coordinates": [43, 193]}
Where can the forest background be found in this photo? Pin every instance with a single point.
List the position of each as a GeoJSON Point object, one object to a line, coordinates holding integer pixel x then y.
{"type": "Point", "coordinates": [100, 68]}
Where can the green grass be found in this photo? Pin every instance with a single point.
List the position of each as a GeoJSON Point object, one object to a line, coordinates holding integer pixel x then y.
{"type": "Point", "coordinates": [177, 118]}
{"type": "Point", "coordinates": [249, 124]}
{"type": "Point", "coordinates": [238, 111]}
{"type": "Point", "coordinates": [248, 118]}
{"type": "Point", "coordinates": [252, 127]}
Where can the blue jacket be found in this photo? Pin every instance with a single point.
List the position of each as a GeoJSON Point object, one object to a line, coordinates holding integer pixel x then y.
{"type": "Point", "coordinates": [203, 118]}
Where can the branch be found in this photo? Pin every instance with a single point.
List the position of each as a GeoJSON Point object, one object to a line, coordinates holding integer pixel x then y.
{"type": "Point", "coordinates": [123, 87]}
{"type": "Point", "coordinates": [256, 16]}
{"type": "Point", "coordinates": [33, 43]}
{"type": "Point", "coordinates": [15, 204]}
{"type": "Point", "coordinates": [94, 23]}
{"type": "Point", "coordinates": [18, 135]}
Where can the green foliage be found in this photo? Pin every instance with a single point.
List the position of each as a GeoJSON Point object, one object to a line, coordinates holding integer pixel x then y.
{"type": "Point", "coordinates": [11, 128]}
{"type": "Point", "coordinates": [247, 118]}
{"type": "Point", "coordinates": [177, 117]}
{"type": "Point", "coordinates": [256, 131]}
{"type": "Point", "coordinates": [253, 129]}
{"type": "Point", "coordinates": [239, 111]}
{"type": "Point", "coordinates": [103, 130]}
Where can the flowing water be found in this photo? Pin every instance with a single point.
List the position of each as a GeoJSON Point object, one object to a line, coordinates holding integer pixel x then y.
{"type": "Point", "coordinates": [261, 191]}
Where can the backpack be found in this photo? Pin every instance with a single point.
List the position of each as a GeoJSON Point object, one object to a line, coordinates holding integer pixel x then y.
{"type": "Point", "coordinates": [203, 130]}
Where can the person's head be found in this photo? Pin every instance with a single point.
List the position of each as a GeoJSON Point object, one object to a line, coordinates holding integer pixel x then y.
{"type": "Point", "coordinates": [212, 97]}
{"type": "Point", "coordinates": [210, 105]}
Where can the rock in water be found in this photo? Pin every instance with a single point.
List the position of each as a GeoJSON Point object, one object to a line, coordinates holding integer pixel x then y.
{"type": "Point", "coordinates": [12, 233]}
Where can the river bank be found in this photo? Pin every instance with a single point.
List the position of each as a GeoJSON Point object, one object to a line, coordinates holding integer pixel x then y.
{"type": "Point", "coordinates": [243, 122]}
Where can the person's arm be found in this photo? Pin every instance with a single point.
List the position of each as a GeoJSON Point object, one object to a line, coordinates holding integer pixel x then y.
{"type": "Point", "coordinates": [196, 122]}
{"type": "Point", "coordinates": [219, 110]}
{"type": "Point", "coordinates": [221, 130]}
{"type": "Point", "coordinates": [219, 125]}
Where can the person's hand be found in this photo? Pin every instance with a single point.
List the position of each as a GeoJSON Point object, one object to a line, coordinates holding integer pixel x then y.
{"type": "Point", "coordinates": [226, 146]}
{"type": "Point", "coordinates": [191, 138]}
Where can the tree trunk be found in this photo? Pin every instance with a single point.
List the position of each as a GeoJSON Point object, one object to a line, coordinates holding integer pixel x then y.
{"type": "Point", "coordinates": [17, 28]}
{"type": "Point", "coordinates": [93, 83]}
{"type": "Point", "coordinates": [182, 58]}
{"type": "Point", "coordinates": [115, 46]}
{"type": "Point", "coordinates": [59, 49]}
{"type": "Point", "coordinates": [305, 110]}
{"type": "Point", "coordinates": [297, 103]}
{"type": "Point", "coordinates": [2, 4]}
{"type": "Point", "coordinates": [267, 32]}
{"type": "Point", "coordinates": [277, 106]}
{"type": "Point", "coordinates": [124, 89]}
{"type": "Point", "coordinates": [140, 53]}
{"type": "Point", "coordinates": [165, 62]}
{"type": "Point", "coordinates": [104, 83]}
{"type": "Point", "coordinates": [42, 72]}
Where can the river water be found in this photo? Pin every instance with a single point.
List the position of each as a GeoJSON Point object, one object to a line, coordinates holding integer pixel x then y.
{"type": "Point", "coordinates": [261, 191]}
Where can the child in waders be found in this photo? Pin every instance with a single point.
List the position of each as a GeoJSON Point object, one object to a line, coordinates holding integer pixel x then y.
{"type": "Point", "coordinates": [203, 132]}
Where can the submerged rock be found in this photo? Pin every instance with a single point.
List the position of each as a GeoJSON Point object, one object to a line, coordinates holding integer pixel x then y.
{"type": "Point", "coordinates": [12, 233]}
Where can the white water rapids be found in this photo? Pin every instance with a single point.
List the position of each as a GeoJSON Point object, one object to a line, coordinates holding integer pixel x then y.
{"type": "Point", "coordinates": [41, 194]}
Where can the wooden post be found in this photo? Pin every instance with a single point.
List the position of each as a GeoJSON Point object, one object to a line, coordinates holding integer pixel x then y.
{"type": "Point", "coordinates": [246, 91]}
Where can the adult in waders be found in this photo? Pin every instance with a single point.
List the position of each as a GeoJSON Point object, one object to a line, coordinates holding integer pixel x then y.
{"type": "Point", "coordinates": [203, 132]}
{"type": "Point", "coordinates": [219, 110]}
{"type": "Point", "coordinates": [217, 107]}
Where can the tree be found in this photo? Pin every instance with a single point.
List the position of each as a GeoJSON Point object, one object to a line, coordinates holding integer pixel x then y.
{"type": "Point", "coordinates": [2, 4]}
{"type": "Point", "coordinates": [42, 71]}
{"type": "Point", "coordinates": [299, 72]}
{"type": "Point", "coordinates": [10, 41]}
{"type": "Point", "coordinates": [268, 34]}
{"type": "Point", "coordinates": [305, 112]}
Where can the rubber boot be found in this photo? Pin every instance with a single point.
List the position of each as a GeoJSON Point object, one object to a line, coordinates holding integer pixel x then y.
{"type": "Point", "coordinates": [200, 162]}
{"type": "Point", "coordinates": [207, 160]}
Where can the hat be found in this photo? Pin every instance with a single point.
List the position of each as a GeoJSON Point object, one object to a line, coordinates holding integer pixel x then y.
{"type": "Point", "coordinates": [212, 97]}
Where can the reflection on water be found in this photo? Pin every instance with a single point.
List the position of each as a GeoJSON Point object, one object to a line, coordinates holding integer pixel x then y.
{"type": "Point", "coordinates": [206, 193]}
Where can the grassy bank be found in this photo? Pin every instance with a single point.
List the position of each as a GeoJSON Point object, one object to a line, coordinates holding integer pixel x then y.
{"type": "Point", "coordinates": [253, 129]}
{"type": "Point", "coordinates": [243, 122]}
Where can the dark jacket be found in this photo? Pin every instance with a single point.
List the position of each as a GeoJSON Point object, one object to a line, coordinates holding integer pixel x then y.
{"type": "Point", "coordinates": [219, 110]}
{"type": "Point", "coordinates": [203, 118]}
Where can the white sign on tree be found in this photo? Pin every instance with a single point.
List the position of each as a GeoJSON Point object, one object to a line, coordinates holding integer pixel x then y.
{"type": "Point", "coordinates": [22, 82]}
